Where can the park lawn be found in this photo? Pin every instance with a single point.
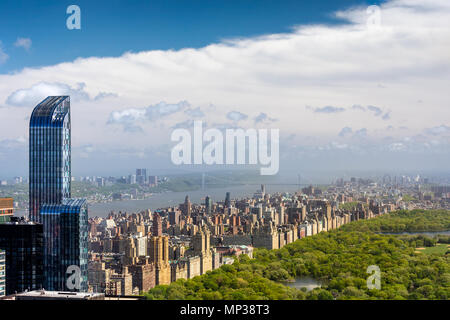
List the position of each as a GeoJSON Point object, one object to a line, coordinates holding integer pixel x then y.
{"type": "Point", "coordinates": [440, 248]}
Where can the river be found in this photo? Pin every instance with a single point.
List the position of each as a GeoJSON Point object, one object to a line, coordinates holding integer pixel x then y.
{"type": "Point", "coordinates": [167, 199]}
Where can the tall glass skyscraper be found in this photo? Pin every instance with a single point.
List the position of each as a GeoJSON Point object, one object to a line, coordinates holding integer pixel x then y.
{"type": "Point", "coordinates": [65, 220]}
{"type": "Point", "coordinates": [49, 153]}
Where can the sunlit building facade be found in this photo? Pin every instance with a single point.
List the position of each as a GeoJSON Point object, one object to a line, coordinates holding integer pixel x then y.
{"type": "Point", "coordinates": [6, 209]}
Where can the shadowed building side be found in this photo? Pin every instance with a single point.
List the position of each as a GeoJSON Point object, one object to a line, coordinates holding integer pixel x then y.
{"type": "Point", "coordinates": [66, 234]}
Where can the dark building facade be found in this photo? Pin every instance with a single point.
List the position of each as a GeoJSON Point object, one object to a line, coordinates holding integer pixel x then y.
{"type": "Point", "coordinates": [2, 274]}
{"type": "Point", "coordinates": [23, 245]}
{"type": "Point", "coordinates": [227, 200]}
{"type": "Point", "coordinates": [208, 205]}
{"type": "Point", "coordinates": [66, 245]}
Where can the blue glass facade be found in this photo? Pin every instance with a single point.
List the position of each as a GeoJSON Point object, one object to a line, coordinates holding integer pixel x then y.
{"type": "Point", "coordinates": [50, 167]}
{"type": "Point", "coordinates": [65, 220]}
{"type": "Point", "coordinates": [66, 231]}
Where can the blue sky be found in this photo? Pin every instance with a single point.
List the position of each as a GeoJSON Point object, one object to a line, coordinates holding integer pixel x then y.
{"type": "Point", "coordinates": [348, 88]}
{"type": "Point", "coordinates": [112, 27]}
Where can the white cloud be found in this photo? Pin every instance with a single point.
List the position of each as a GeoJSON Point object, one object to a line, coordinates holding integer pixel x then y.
{"type": "Point", "coordinates": [236, 116]}
{"type": "Point", "coordinates": [23, 43]}
{"type": "Point", "coordinates": [30, 97]}
{"type": "Point", "coordinates": [130, 118]}
{"type": "Point", "coordinates": [439, 130]}
{"type": "Point", "coordinates": [278, 74]}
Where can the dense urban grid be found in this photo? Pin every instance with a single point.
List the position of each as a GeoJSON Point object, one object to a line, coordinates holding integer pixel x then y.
{"type": "Point", "coordinates": [58, 251]}
{"type": "Point", "coordinates": [132, 252]}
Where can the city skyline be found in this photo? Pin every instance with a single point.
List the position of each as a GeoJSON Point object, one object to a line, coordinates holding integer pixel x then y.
{"type": "Point", "coordinates": [381, 109]}
{"type": "Point", "coordinates": [229, 151]}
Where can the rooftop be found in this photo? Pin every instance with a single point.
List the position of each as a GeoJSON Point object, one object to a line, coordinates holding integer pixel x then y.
{"type": "Point", "coordinates": [53, 295]}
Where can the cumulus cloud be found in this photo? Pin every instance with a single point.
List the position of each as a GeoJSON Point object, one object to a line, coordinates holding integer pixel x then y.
{"type": "Point", "coordinates": [30, 97]}
{"type": "Point", "coordinates": [188, 124]}
{"type": "Point", "coordinates": [263, 117]}
{"type": "Point", "coordinates": [129, 118]}
{"type": "Point", "coordinates": [345, 132]}
{"type": "Point", "coordinates": [439, 130]}
{"type": "Point", "coordinates": [317, 65]}
{"type": "Point", "coordinates": [361, 133]}
{"type": "Point", "coordinates": [236, 116]}
{"type": "Point", "coordinates": [196, 112]}
{"type": "Point", "coordinates": [329, 109]}
{"type": "Point", "coordinates": [358, 107]}
{"type": "Point", "coordinates": [23, 43]}
{"type": "Point", "coordinates": [376, 110]}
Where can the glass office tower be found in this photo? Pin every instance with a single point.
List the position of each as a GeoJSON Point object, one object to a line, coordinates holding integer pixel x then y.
{"type": "Point", "coordinates": [65, 220]}
{"type": "Point", "coordinates": [49, 153]}
{"type": "Point", "coordinates": [66, 231]}
{"type": "Point", "coordinates": [22, 242]}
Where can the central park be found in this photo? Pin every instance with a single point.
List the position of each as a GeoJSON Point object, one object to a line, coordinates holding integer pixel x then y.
{"type": "Point", "coordinates": [413, 266]}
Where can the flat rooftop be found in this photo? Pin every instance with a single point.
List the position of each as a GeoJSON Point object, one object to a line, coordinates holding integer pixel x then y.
{"type": "Point", "coordinates": [56, 295]}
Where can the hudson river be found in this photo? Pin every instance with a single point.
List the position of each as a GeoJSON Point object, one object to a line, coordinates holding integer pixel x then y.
{"type": "Point", "coordinates": [167, 199]}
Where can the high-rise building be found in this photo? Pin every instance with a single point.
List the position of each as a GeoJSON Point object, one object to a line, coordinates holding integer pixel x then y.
{"type": "Point", "coordinates": [157, 225]}
{"type": "Point", "coordinates": [22, 242]}
{"type": "Point", "coordinates": [2, 274]}
{"type": "Point", "coordinates": [158, 250]}
{"type": "Point", "coordinates": [153, 180]}
{"type": "Point", "coordinates": [65, 220]}
{"type": "Point", "coordinates": [208, 204]}
{"type": "Point", "coordinates": [187, 207]}
{"type": "Point", "coordinates": [141, 176]}
{"type": "Point", "coordinates": [6, 209]}
{"type": "Point", "coordinates": [50, 167]}
{"type": "Point", "coordinates": [66, 244]}
{"type": "Point", "coordinates": [227, 200]}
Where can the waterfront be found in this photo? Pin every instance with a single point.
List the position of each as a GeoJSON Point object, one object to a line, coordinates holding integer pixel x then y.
{"type": "Point", "coordinates": [304, 282]}
{"type": "Point", "coordinates": [167, 199]}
